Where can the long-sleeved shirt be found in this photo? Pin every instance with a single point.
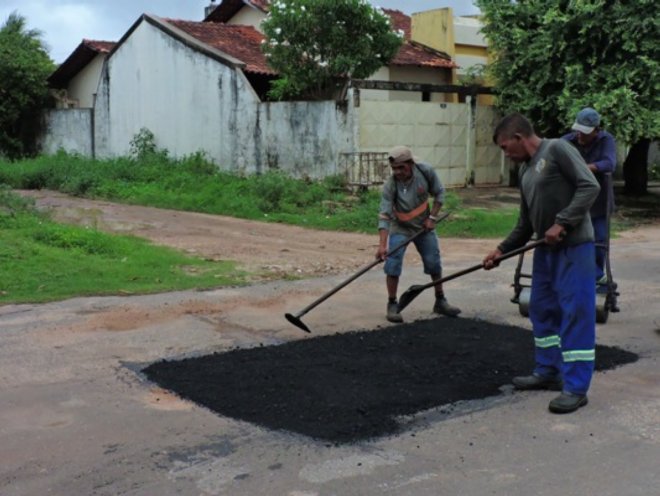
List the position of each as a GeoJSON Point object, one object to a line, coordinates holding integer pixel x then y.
{"type": "Point", "coordinates": [405, 197]}
{"type": "Point", "coordinates": [556, 187]}
{"type": "Point", "coordinates": [602, 153]}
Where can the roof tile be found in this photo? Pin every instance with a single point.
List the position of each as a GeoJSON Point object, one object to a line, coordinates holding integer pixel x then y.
{"type": "Point", "coordinates": [241, 42]}
{"type": "Point", "coordinates": [77, 60]}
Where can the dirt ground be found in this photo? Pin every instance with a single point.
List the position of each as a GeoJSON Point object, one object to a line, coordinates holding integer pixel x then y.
{"type": "Point", "coordinates": [78, 417]}
{"type": "Point", "coordinates": [270, 250]}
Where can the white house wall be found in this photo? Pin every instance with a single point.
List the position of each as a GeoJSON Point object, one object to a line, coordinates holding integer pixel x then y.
{"type": "Point", "coordinates": [190, 101]}
{"type": "Point", "coordinates": [83, 85]}
{"type": "Point", "coordinates": [248, 16]}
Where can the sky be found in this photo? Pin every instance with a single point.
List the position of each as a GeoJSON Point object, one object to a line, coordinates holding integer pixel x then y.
{"type": "Point", "coordinates": [64, 23]}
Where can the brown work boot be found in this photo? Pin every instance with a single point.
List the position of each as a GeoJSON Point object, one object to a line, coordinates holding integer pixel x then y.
{"type": "Point", "coordinates": [393, 314]}
{"type": "Point", "coordinates": [443, 307]}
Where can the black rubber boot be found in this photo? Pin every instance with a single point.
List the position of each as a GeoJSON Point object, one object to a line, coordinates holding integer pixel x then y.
{"type": "Point", "coordinates": [443, 307]}
{"type": "Point", "coordinates": [535, 381]}
{"type": "Point", "coordinates": [567, 402]}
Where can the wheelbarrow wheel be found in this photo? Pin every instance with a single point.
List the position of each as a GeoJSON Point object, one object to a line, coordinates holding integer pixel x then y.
{"type": "Point", "coordinates": [602, 312]}
{"type": "Point", "coordinates": [523, 301]}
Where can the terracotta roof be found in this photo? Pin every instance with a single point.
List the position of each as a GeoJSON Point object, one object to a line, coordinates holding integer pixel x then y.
{"type": "Point", "coordinates": [99, 46]}
{"type": "Point", "coordinates": [410, 54]}
{"type": "Point", "coordinates": [229, 8]}
{"type": "Point", "coordinates": [79, 58]}
{"type": "Point", "coordinates": [241, 42]}
{"type": "Point", "coordinates": [400, 21]}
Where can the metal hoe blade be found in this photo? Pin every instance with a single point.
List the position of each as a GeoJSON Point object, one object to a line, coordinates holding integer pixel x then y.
{"type": "Point", "coordinates": [297, 322]}
{"type": "Point", "coordinates": [413, 291]}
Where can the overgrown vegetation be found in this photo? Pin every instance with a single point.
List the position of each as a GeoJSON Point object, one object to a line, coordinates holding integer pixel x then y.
{"type": "Point", "coordinates": [553, 57]}
{"type": "Point", "coordinates": [194, 184]}
{"type": "Point", "coordinates": [24, 67]}
{"type": "Point", "coordinates": [44, 261]}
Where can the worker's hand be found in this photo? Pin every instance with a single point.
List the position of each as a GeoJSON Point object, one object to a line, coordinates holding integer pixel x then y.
{"type": "Point", "coordinates": [489, 261]}
{"type": "Point", "coordinates": [555, 234]}
{"type": "Point", "coordinates": [429, 224]}
{"type": "Point", "coordinates": [380, 254]}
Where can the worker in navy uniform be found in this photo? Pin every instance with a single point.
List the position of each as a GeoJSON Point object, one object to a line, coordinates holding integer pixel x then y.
{"type": "Point", "coordinates": [557, 190]}
{"type": "Point", "coordinates": [598, 149]}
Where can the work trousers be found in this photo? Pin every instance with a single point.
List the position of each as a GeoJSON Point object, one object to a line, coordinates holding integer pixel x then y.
{"type": "Point", "coordinates": [562, 310]}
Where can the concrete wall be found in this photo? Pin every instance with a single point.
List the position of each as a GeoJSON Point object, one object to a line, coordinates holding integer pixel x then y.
{"type": "Point", "coordinates": [69, 130]}
{"type": "Point", "coordinates": [454, 138]}
{"type": "Point", "coordinates": [303, 138]}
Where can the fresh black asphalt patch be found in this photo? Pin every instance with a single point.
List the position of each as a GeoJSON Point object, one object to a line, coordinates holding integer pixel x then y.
{"type": "Point", "coordinates": [353, 386]}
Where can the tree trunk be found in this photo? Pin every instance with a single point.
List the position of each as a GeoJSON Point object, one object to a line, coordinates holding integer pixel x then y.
{"type": "Point", "coordinates": [635, 168]}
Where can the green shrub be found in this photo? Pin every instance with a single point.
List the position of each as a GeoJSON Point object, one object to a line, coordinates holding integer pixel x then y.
{"type": "Point", "coordinates": [89, 241]}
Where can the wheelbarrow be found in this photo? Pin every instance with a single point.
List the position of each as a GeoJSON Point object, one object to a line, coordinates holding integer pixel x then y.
{"type": "Point", "coordinates": [606, 294]}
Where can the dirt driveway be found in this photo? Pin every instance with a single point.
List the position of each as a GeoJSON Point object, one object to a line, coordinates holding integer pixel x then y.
{"type": "Point", "coordinates": [274, 251]}
{"type": "Point", "coordinates": [78, 418]}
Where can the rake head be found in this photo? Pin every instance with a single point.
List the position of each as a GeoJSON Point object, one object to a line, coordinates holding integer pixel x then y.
{"type": "Point", "coordinates": [297, 322]}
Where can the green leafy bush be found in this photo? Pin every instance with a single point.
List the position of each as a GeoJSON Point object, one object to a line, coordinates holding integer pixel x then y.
{"type": "Point", "coordinates": [313, 44]}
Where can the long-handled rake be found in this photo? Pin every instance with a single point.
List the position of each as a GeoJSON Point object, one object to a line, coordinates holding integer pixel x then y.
{"type": "Point", "coordinates": [295, 318]}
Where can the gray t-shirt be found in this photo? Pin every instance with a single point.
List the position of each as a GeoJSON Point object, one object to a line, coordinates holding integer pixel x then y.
{"type": "Point", "coordinates": [405, 197]}
{"type": "Point", "coordinates": [556, 186]}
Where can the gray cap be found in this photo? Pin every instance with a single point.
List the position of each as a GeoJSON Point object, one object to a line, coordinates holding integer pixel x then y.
{"type": "Point", "coordinates": [400, 155]}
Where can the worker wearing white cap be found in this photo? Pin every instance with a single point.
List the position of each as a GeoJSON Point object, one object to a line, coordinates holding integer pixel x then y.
{"type": "Point", "coordinates": [598, 149]}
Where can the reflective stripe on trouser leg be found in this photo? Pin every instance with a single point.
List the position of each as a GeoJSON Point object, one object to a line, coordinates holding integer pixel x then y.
{"type": "Point", "coordinates": [544, 315]}
{"type": "Point", "coordinates": [563, 302]}
{"type": "Point", "coordinates": [577, 298]}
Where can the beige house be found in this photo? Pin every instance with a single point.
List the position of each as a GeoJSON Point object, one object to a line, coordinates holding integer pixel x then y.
{"type": "Point", "coordinates": [75, 81]}
{"type": "Point", "coordinates": [460, 37]}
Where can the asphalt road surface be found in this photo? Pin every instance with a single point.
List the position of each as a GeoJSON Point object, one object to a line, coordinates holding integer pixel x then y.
{"type": "Point", "coordinates": [77, 416]}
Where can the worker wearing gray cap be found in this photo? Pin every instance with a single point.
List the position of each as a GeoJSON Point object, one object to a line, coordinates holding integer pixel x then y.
{"type": "Point", "coordinates": [405, 210]}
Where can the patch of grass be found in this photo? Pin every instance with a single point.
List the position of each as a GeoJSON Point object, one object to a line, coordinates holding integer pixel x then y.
{"type": "Point", "coordinates": [194, 184]}
{"type": "Point", "coordinates": [44, 261]}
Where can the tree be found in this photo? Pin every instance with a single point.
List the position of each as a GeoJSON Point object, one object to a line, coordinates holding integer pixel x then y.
{"type": "Point", "coordinates": [316, 44]}
{"type": "Point", "coordinates": [24, 67]}
{"type": "Point", "coordinates": [553, 57]}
